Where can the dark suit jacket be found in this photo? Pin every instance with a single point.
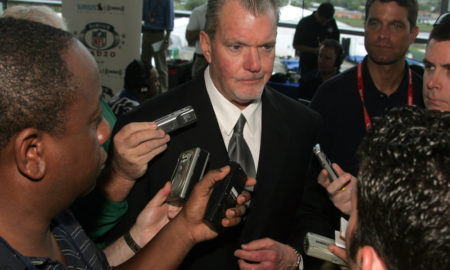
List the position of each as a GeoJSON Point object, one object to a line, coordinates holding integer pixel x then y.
{"type": "Point", "coordinates": [289, 130]}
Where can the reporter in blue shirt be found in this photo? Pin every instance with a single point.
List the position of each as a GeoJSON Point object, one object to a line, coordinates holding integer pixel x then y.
{"type": "Point", "coordinates": [158, 17]}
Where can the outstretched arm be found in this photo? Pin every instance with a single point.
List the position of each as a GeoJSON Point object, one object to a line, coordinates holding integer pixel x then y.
{"type": "Point", "coordinates": [149, 222]}
{"type": "Point", "coordinates": [169, 247]}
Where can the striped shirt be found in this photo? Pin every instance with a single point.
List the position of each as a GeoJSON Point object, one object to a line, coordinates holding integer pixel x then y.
{"type": "Point", "coordinates": [78, 250]}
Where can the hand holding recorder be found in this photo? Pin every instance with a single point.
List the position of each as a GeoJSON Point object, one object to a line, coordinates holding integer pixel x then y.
{"type": "Point", "coordinates": [135, 145]}
{"type": "Point", "coordinates": [138, 143]}
{"type": "Point", "coordinates": [196, 206]}
{"type": "Point", "coordinates": [190, 168]}
{"type": "Point", "coordinates": [338, 183]}
{"type": "Point", "coordinates": [317, 246]}
{"type": "Point", "coordinates": [188, 227]}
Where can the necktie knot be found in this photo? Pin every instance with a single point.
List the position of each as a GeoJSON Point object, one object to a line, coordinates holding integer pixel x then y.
{"type": "Point", "coordinates": [239, 127]}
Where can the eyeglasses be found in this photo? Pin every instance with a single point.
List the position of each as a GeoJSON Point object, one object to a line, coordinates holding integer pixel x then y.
{"type": "Point", "coordinates": [441, 18]}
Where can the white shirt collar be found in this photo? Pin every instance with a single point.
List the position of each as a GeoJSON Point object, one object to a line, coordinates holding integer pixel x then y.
{"type": "Point", "coordinates": [227, 113]}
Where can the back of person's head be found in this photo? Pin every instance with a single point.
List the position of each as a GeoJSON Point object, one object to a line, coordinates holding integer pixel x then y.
{"type": "Point", "coordinates": [338, 50]}
{"type": "Point", "coordinates": [42, 14]}
{"type": "Point", "coordinates": [440, 31]}
{"type": "Point", "coordinates": [411, 5]}
{"type": "Point", "coordinates": [36, 85]}
{"type": "Point", "coordinates": [137, 75]}
{"type": "Point", "coordinates": [326, 10]}
{"type": "Point", "coordinates": [255, 7]}
{"type": "Point", "coordinates": [403, 191]}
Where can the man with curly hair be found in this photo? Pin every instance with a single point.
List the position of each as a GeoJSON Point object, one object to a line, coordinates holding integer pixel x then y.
{"type": "Point", "coordinates": [400, 206]}
{"type": "Point", "coordinates": [400, 211]}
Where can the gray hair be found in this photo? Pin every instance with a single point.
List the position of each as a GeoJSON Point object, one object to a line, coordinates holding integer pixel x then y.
{"type": "Point", "coordinates": [256, 7]}
{"type": "Point", "coordinates": [41, 14]}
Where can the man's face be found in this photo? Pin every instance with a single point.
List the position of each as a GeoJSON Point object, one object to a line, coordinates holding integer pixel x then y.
{"type": "Point", "coordinates": [326, 60]}
{"type": "Point", "coordinates": [242, 53]}
{"type": "Point", "coordinates": [322, 20]}
{"type": "Point", "coordinates": [80, 156]}
{"type": "Point", "coordinates": [388, 33]}
{"type": "Point", "coordinates": [153, 87]}
{"type": "Point", "coordinates": [436, 79]}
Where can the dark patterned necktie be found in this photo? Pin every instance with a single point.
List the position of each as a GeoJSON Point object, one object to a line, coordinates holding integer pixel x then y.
{"type": "Point", "coordinates": [238, 150]}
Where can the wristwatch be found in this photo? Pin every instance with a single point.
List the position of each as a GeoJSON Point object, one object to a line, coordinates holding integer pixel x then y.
{"type": "Point", "coordinates": [299, 264]}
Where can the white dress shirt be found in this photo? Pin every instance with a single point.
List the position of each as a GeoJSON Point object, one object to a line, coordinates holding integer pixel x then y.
{"type": "Point", "coordinates": [227, 115]}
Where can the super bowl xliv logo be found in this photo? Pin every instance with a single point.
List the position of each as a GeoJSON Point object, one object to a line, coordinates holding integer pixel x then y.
{"type": "Point", "coordinates": [99, 36]}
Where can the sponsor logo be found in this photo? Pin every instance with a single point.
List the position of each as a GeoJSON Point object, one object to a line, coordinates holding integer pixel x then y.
{"type": "Point", "coordinates": [99, 36]}
{"type": "Point", "coordinates": [113, 8]}
{"type": "Point", "coordinates": [100, 7]}
{"type": "Point", "coordinates": [86, 7]}
{"type": "Point", "coordinates": [107, 71]}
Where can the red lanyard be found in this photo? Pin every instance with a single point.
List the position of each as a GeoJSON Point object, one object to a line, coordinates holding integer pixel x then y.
{"type": "Point", "coordinates": [367, 120]}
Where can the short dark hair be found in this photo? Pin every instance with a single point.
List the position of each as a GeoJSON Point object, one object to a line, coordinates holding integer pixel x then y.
{"type": "Point", "coordinates": [36, 85]}
{"type": "Point", "coordinates": [440, 31]}
{"type": "Point", "coordinates": [137, 74]}
{"type": "Point", "coordinates": [411, 5]}
{"type": "Point", "coordinates": [326, 10]}
{"type": "Point", "coordinates": [256, 7]}
{"type": "Point", "coordinates": [403, 190]}
{"type": "Point", "coordinates": [338, 50]}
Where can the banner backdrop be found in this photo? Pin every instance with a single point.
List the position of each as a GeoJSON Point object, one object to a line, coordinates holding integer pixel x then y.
{"type": "Point", "coordinates": [111, 30]}
{"type": "Point", "coordinates": [1, 8]}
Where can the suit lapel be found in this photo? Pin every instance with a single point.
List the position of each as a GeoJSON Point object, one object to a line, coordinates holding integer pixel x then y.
{"type": "Point", "coordinates": [274, 142]}
{"type": "Point", "coordinates": [208, 130]}
{"type": "Point", "coordinates": [274, 137]}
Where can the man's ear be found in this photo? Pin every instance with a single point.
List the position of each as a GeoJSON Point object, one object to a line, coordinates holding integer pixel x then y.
{"type": "Point", "coordinates": [414, 33]}
{"type": "Point", "coordinates": [205, 43]}
{"type": "Point", "coordinates": [368, 259]}
{"type": "Point", "coordinates": [29, 149]}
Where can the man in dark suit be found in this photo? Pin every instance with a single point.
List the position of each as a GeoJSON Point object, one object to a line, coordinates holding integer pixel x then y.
{"type": "Point", "coordinates": [239, 45]}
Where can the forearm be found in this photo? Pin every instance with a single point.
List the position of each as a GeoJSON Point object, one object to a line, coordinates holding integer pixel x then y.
{"type": "Point", "coordinates": [165, 251]}
{"type": "Point", "coordinates": [167, 36]}
{"type": "Point", "coordinates": [150, 221]}
{"type": "Point", "coordinates": [118, 252]}
{"type": "Point", "coordinates": [113, 186]}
